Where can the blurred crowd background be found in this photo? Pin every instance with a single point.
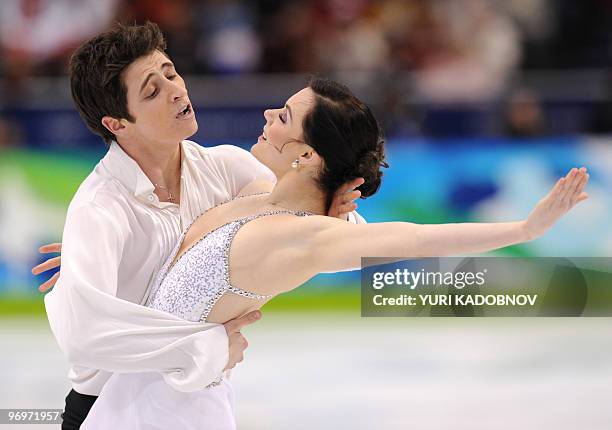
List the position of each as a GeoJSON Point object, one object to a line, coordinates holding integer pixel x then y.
{"type": "Point", "coordinates": [519, 68]}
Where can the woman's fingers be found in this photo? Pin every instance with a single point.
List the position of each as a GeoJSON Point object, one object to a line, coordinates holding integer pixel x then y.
{"type": "Point", "coordinates": [579, 177]}
{"type": "Point", "coordinates": [569, 190]}
{"type": "Point", "coordinates": [581, 184]}
{"type": "Point", "coordinates": [567, 181]}
{"type": "Point", "coordinates": [577, 185]}
{"type": "Point", "coordinates": [574, 177]}
{"type": "Point", "coordinates": [579, 192]}
{"type": "Point", "coordinates": [564, 184]}
{"type": "Point", "coordinates": [557, 190]}
{"type": "Point", "coordinates": [571, 185]}
{"type": "Point", "coordinates": [582, 196]}
{"type": "Point", "coordinates": [571, 180]}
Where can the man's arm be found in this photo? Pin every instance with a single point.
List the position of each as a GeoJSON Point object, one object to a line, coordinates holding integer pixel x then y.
{"type": "Point", "coordinates": [98, 330]}
{"type": "Point", "coordinates": [241, 168]}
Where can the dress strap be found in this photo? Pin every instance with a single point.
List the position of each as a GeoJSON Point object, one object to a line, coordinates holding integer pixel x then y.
{"type": "Point", "coordinates": [241, 222]}
{"type": "Point", "coordinates": [166, 267]}
{"type": "Point", "coordinates": [184, 233]}
{"type": "Point", "coordinates": [247, 294]}
{"type": "Point", "coordinates": [250, 218]}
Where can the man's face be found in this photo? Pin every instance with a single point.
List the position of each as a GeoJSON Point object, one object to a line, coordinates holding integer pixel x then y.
{"type": "Point", "coordinates": [158, 101]}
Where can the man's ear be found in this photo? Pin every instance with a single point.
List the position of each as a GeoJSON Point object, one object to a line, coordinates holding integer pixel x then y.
{"type": "Point", "coordinates": [114, 125]}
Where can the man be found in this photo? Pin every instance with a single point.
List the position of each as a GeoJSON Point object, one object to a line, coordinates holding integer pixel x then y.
{"type": "Point", "coordinates": [126, 217]}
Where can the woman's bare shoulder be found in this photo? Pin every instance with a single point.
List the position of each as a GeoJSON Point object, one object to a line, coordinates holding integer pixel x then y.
{"type": "Point", "coordinates": [255, 187]}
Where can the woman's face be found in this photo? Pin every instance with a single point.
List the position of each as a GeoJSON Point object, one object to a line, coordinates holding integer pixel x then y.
{"type": "Point", "coordinates": [282, 139]}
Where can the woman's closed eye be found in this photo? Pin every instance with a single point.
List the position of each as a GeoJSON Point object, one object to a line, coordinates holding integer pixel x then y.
{"type": "Point", "coordinates": [283, 117]}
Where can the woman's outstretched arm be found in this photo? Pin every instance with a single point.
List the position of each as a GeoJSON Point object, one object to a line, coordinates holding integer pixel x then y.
{"type": "Point", "coordinates": [321, 244]}
{"type": "Point", "coordinates": [438, 240]}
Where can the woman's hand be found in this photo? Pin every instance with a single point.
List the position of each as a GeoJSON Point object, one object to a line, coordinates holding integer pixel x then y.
{"type": "Point", "coordinates": [49, 264]}
{"type": "Point", "coordinates": [567, 192]}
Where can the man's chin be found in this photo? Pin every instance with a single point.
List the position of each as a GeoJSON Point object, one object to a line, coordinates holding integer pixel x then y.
{"type": "Point", "coordinates": [193, 130]}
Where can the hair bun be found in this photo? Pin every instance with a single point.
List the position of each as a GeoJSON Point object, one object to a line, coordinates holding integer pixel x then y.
{"type": "Point", "coordinates": [369, 168]}
{"type": "Point", "coordinates": [344, 132]}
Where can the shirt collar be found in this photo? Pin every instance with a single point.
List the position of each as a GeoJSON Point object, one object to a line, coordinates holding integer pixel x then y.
{"type": "Point", "coordinates": [124, 168]}
{"type": "Point", "coordinates": [189, 151]}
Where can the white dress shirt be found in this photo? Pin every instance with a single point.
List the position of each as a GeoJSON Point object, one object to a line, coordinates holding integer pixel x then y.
{"type": "Point", "coordinates": [116, 237]}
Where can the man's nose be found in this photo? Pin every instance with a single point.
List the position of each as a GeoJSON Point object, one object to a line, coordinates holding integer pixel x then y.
{"type": "Point", "coordinates": [178, 92]}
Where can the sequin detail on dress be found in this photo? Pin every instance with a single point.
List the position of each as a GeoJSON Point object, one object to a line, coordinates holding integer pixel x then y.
{"type": "Point", "coordinates": [200, 276]}
{"type": "Point", "coordinates": [191, 286]}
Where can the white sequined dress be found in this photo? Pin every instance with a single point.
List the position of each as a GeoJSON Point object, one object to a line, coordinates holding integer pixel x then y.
{"type": "Point", "coordinates": [187, 288]}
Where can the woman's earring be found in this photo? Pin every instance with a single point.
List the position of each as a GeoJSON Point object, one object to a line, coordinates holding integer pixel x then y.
{"type": "Point", "coordinates": [295, 163]}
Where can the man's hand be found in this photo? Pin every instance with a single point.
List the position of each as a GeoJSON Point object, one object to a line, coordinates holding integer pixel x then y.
{"type": "Point", "coordinates": [237, 342]}
{"type": "Point", "coordinates": [344, 199]}
{"type": "Point", "coordinates": [50, 264]}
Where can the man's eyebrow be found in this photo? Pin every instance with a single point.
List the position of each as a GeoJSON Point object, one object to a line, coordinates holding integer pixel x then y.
{"type": "Point", "coordinates": [144, 84]}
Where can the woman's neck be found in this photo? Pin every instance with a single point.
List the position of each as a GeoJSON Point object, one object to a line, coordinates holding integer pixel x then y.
{"type": "Point", "coordinates": [298, 193]}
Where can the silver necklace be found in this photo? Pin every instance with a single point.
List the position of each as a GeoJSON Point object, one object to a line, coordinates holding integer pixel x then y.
{"type": "Point", "coordinates": [170, 196]}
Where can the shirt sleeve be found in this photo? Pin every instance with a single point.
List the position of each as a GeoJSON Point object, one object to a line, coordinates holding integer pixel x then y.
{"type": "Point", "coordinates": [98, 330]}
{"type": "Point", "coordinates": [355, 218]}
{"type": "Point", "coordinates": [241, 168]}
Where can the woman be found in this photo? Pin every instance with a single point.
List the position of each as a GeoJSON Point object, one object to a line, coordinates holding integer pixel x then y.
{"type": "Point", "coordinates": [238, 255]}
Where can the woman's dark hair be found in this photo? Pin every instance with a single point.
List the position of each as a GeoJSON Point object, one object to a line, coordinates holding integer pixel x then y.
{"type": "Point", "coordinates": [344, 132]}
{"type": "Point", "coordinates": [96, 67]}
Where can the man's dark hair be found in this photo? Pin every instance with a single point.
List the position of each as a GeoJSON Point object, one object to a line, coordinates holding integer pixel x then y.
{"type": "Point", "coordinates": [345, 133]}
{"type": "Point", "coordinates": [96, 69]}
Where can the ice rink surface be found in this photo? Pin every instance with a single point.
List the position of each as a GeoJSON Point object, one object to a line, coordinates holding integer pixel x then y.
{"type": "Point", "coordinates": [326, 371]}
